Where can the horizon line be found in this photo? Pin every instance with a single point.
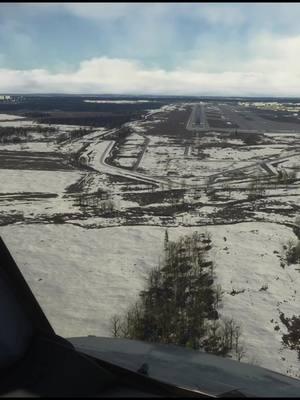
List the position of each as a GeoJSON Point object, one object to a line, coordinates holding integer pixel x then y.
{"type": "Point", "coordinates": [143, 95]}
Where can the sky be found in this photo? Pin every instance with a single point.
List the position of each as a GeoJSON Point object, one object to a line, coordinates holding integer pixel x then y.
{"type": "Point", "coordinates": [218, 49]}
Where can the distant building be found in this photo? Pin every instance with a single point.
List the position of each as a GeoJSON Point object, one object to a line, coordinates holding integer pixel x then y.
{"type": "Point", "coordinates": [5, 97]}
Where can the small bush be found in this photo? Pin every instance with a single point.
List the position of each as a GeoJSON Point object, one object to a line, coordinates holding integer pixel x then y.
{"type": "Point", "coordinates": [292, 338]}
{"type": "Point", "coordinates": [292, 252]}
{"type": "Point", "coordinates": [263, 288]}
{"type": "Point", "coordinates": [180, 301]}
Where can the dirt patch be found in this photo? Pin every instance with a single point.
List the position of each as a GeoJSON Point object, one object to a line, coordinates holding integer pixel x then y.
{"type": "Point", "coordinates": [34, 161]}
{"type": "Point", "coordinates": [144, 199]}
{"type": "Point", "coordinates": [292, 338]}
{"type": "Point", "coordinates": [172, 124]}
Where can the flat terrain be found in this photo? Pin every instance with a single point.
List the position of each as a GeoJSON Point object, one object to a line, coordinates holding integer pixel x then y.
{"type": "Point", "coordinates": [25, 160]}
{"type": "Point", "coordinates": [252, 119]}
{"type": "Point", "coordinates": [84, 205]}
{"type": "Point", "coordinates": [103, 271]}
{"type": "Point", "coordinates": [197, 120]}
{"type": "Point", "coordinates": [236, 118]}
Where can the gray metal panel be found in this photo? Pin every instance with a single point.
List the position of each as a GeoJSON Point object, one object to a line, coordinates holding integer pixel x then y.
{"type": "Point", "coordinates": [15, 329]}
{"type": "Point", "coordinates": [191, 369]}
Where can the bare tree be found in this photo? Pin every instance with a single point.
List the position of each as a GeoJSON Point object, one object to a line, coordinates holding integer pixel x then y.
{"type": "Point", "coordinates": [218, 295]}
{"type": "Point", "coordinates": [115, 325]}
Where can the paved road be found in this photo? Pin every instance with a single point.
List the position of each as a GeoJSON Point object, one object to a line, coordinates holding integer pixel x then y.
{"type": "Point", "coordinates": [235, 115]}
{"type": "Point", "coordinates": [197, 120]}
{"type": "Point", "coordinates": [141, 155]}
{"type": "Point", "coordinates": [122, 172]}
{"type": "Point", "coordinates": [250, 121]}
{"type": "Point", "coordinates": [95, 143]}
{"type": "Point", "coordinates": [264, 163]}
{"type": "Point", "coordinates": [104, 167]}
{"type": "Point", "coordinates": [100, 151]}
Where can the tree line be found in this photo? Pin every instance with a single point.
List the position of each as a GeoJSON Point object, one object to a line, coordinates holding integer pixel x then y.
{"type": "Point", "coordinates": [17, 134]}
{"type": "Point", "coordinates": [180, 302]}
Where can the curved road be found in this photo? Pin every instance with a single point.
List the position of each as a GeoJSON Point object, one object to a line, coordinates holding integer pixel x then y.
{"type": "Point", "coordinates": [97, 153]}
{"type": "Point", "coordinates": [126, 173]}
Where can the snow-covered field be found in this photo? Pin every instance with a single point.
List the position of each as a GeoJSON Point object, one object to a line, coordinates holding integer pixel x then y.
{"type": "Point", "coordinates": [22, 191]}
{"type": "Point", "coordinates": [131, 148]}
{"type": "Point", "coordinates": [7, 117]}
{"type": "Point", "coordinates": [83, 277]}
{"type": "Point", "coordinates": [118, 101]}
{"type": "Point", "coordinates": [18, 122]}
{"type": "Point", "coordinates": [29, 146]}
{"type": "Point", "coordinates": [19, 181]}
{"type": "Point", "coordinates": [246, 154]}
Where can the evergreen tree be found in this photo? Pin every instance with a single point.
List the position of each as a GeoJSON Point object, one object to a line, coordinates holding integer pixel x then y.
{"type": "Point", "coordinates": [179, 303]}
{"type": "Point", "coordinates": [166, 242]}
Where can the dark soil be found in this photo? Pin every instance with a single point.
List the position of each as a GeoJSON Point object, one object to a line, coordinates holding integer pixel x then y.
{"type": "Point", "coordinates": [25, 160]}
{"type": "Point", "coordinates": [155, 197]}
{"type": "Point", "coordinates": [173, 125]}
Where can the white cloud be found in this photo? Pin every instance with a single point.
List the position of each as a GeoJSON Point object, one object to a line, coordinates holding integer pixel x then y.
{"type": "Point", "coordinates": [2, 59]}
{"type": "Point", "coordinates": [112, 11]}
{"type": "Point", "coordinates": [272, 71]}
{"type": "Point", "coordinates": [232, 15]}
{"type": "Point", "coordinates": [216, 14]}
{"type": "Point", "coordinates": [98, 11]}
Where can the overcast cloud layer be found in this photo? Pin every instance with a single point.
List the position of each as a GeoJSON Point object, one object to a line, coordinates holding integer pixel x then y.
{"type": "Point", "coordinates": [198, 49]}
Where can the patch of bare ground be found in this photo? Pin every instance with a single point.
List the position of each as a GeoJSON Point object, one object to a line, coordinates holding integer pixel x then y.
{"type": "Point", "coordinates": [24, 160]}
{"type": "Point", "coordinates": [30, 196]}
{"type": "Point", "coordinates": [173, 124]}
{"type": "Point", "coordinates": [156, 197]}
{"type": "Point", "coordinates": [292, 338]}
{"type": "Point", "coordinates": [12, 218]}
